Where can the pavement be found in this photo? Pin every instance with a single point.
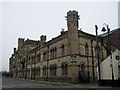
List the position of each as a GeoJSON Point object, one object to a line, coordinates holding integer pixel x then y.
{"type": "Point", "coordinates": [91, 86]}
{"type": "Point", "coordinates": [16, 83]}
{"type": "Point", "coordinates": [52, 83]}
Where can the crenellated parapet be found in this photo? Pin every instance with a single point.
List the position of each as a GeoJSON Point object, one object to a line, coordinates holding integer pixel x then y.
{"type": "Point", "coordinates": [72, 18]}
{"type": "Point", "coordinates": [22, 42]}
{"type": "Point", "coordinates": [29, 41]}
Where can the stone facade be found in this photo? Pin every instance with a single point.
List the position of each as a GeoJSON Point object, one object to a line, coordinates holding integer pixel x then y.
{"type": "Point", "coordinates": [69, 57]}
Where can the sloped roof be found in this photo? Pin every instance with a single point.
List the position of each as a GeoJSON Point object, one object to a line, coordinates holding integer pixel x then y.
{"type": "Point", "coordinates": [106, 34]}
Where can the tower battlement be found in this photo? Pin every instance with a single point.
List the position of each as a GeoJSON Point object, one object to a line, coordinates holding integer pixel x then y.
{"type": "Point", "coordinates": [43, 38]}
{"type": "Point", "coordinates": [72, 18]}
{"type": "Point", "coordinates": [20, 42]}
{"type": "Point", "coordinates": [72, 12]}
{"type": "Point", "coordinates": [29, 41]}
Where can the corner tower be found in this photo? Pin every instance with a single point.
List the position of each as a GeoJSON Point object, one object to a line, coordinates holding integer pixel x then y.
{"type": "Point", "coordinates": [20, 43]}
{"type": "Point", "coordinates": [72, 24]}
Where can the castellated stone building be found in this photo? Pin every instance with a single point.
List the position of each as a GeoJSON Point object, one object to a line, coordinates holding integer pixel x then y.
{"type": "Point", "coordinates": [69, 57]}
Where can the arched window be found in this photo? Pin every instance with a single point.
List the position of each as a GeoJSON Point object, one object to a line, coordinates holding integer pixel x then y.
{"type": "Point", "coordinates": [63, 50]}
{"type": "Point", "coordinates": [55, 52]}
{"type": "Point", "coordinates": [96, 50]}
{"type": "Point", "coordinates": [64, 68]}
{"type": "Point", "coordinates": [44, 70]}
{"type": "Point", "coordinates": [38, 71]}
{"type": "Point", "coordinates": [45, 55]}
{"type": "Point", "coordinates": [82, 69]}
{"type": "Point", "coordinates": [33, 71]}
{"type": "Point", "coordinates": [86, 49]}
{"type": "Point", "coordinates": [51, 53]}
{"type": "Point", "coordinates": [38, 58]}
{"type": "Point", "coordinates": [53, 70]}
{"type": "Point", "coordinates": [28, 72]}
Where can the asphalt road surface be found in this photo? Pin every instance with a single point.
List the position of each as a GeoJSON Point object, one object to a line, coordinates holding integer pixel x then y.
{"type": "Point", "coordinates": [12, 83]}
{"type": "Point", "coordinates": [23, 83]}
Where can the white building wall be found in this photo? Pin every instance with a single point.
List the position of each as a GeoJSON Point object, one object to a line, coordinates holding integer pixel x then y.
{"type": "Point", "coordinates": [106, 72]}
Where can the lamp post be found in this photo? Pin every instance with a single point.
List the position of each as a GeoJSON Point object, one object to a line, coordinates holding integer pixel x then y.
{"type": "Point", "coordinates": [109, 44]}
{"type": "Point", "coordinates": [99, 81]}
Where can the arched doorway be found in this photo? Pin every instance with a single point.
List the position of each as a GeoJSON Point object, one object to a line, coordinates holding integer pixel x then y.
{"type": "Point", "coordinates": [83, 77]}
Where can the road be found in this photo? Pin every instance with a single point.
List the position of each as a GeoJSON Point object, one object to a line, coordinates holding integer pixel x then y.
{"type": "Point", "coordinates": [23, 83]}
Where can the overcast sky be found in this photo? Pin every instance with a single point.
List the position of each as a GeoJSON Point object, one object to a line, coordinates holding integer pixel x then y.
{"type": "Point", "coordinates": [33, 19]}
{"type": "Point", "coordinates": [119, 14]}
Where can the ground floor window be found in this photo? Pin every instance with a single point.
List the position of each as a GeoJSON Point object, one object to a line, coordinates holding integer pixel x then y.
{"type": "Point", "coordinates": [64, 68]}
{"type": "Point", "coordinates": [53, 70]}
{"type": "Point", "coordinates": [82, 70]}
{"type": "Point", "coordinates": [44, 70]}
{"type": "Point", "coordinates": [32, 72]}
{"type": "Point", "coordinates": [28, 72]}
{"type": "Point", "coordinates": [37, 71]}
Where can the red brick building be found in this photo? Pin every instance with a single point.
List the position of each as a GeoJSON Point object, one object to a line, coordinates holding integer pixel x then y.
{"type": "Point", "coordinates": [114, 39]}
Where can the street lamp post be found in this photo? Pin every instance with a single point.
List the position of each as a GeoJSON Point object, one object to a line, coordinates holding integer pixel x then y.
{"type": "Point", "coordinates": [99, 81]}
{"type": "Point", "coordinates": [109, 44]}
